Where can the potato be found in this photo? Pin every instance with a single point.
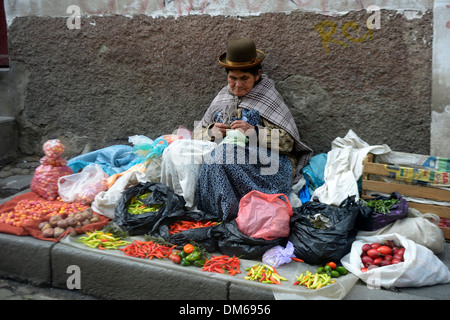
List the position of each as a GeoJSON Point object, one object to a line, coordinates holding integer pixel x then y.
{"type": "Point", "coordinates": [46, 226]}
{"type": "Point", "coordinates": [94, 219]}
{"type": "Point", "coordinates": [85, 222]}
{"type": "Point", "coordinates": [42, 224]}
{"type": "Point", "coordinates": [62, 224]}
{"type": "Point", "coordinates": [54, 220]}
{"type": "Point", "coordinates": [57, 232]}
{"type": "Point", "coordinates": [48, 233]}
{"type": "Point", "coordinates": [88, 213]}
{"type": "Point", "coordinates": [72, 221]}
{"type": "Point", "coordinates": [79, 216]}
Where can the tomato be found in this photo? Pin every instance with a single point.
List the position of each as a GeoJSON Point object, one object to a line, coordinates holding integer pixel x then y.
{"type": "Point", "coordinates": [377, 261]}
{"type": "Point", "coordinates": [175, 258]}
{"type": "Point", "coordinates": [390, 244]}
{"type": "Point", "coordinates": [375, 245]}
{"type": "Point", "coordinates": [331, 264]}
{"type": "Point", "coordinates": [366, 247]}
{"type": "Point", "coordinates": [397, 256]}
{"type": "Point", "coordinates": [188, 248]}
{"type": "Point", "coordinates": [386, 262]}
{"type": "Point", "coordinates": [363, 270]}
{"type": "Point", "coordinates": [373, 253]}
{"type": "Point", "coordinates": [384, 250]}
{"type": "Point", "coordinates": [395, 261]}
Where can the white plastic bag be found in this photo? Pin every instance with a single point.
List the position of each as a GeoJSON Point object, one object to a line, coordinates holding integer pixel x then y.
{"type": "Point", "coordinates": [420, 266]}
{"type": "Point", "coordinates": [180, 167]}
{"type": "Point", "coordinates": [83, 186]}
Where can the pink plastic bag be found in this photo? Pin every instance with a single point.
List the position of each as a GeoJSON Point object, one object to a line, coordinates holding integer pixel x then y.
{"type": "Point", "coordinates": [53, 166]}
{"type": "Point", "coordinates": [264, 215]}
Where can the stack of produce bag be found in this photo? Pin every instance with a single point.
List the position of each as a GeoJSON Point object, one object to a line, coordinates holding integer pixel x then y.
{"type": "Point", "coordinates": [53, 167]}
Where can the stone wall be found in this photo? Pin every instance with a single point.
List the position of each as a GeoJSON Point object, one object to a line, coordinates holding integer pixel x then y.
{"type": "Point", "coordinates": [118, 76]}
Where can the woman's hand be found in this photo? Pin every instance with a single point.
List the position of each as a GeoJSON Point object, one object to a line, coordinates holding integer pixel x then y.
{"type": "Point", "coordinates": [219, 130]}
{"type": "Point", "coordinates": [243, 126]}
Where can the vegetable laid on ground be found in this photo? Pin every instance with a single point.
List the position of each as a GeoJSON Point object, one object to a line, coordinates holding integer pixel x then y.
{"type": "Point", "coordinates": [56, 225]}
{"type": "Point", "coordinates": [222, 264]}
{"type": "Point", "coordinates": [314, 280]}
{"type": "Point", "coordinates": [264, 274]}
{"type": "Point", "coordinates": [148, 249]}
{"type": "Point", "coordinates": [102, 240]}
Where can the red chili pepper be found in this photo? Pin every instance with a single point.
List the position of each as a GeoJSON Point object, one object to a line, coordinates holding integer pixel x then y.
{"type": "Point", "coordinates": [184, 225]}
{"type": "Point", "coordinates": [297, 259]}
{"type": "Point", "coordinates": [222, 264]}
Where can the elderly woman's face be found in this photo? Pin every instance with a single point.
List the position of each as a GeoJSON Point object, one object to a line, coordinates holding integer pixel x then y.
{"type": "Point", "coordinates": [242, 83]}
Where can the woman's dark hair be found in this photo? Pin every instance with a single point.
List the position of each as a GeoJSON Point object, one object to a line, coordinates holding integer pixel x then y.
{"type": "Point", "coordinates": [253, 70]}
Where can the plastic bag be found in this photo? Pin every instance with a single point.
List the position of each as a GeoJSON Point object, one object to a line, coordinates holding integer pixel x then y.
{"type": "Point", "coordinates": [199, 235]}
{"type": "Point", "coordinates": [53, 166]}
{"type": "Point", "coordinates": [374, 220]}
{"type": "Point", "coordinates": [146, 149]}
{"type": "Point", "coordinates": [279, 255]}
{"type": "Point", "coordinates": [231, 241]}
{"type": "Point", "coordinates": [264, 215]}
{"type": "Point", "coordinates": [83, 186]}
{"type": "Point", "coordinates": [160, 195]}
{"type": "Point", "coordinates": [321, 233]}
{"type": "Point", "coordinates": [419, 268]}
{"type": "Point", "coordinates": [106, 201]}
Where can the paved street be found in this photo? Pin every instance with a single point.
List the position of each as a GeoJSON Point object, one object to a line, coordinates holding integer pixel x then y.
{"type": "Point", "coordinates": [14, 290]}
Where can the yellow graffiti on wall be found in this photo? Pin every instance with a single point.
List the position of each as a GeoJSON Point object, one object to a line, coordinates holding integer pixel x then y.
{"type": "Point", "coordinates": [327, 29]}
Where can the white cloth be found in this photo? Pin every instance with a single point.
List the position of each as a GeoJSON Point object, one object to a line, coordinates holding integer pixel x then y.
{"type": "Point", "coordinates": [344, 167]}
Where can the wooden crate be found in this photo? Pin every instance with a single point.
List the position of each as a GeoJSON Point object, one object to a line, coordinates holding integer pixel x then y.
{"type": "Point", "coordinates": [425, 192]}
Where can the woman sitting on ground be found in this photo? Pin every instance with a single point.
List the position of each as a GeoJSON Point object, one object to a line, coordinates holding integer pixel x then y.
{"type": "Point", "coordinates": [259, 146]}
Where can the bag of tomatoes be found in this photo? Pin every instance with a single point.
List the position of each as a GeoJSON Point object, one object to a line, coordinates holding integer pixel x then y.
{"type": "Point", "coordinates": [418, 268]}
{"type": "Point", "coordinates": [53, 167]}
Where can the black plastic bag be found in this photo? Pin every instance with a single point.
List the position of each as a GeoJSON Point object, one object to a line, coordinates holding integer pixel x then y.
{"type": "Point", "coordinates": [139, 224]}
{"type": "Point", "coordinates": [320, 243]}
{"type": "Point", "coordinates": [371, 220]}
{"type": "Point", "coordinates": [231, 241]}
{"type": "Point", "coordinates": [199, 235]}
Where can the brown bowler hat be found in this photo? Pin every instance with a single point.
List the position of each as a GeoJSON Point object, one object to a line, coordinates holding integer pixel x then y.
{"type": "Point", "coordinates": [241, 53]}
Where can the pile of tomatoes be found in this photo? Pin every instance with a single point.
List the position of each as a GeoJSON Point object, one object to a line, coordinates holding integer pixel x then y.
{"type": "Point", "coordinates": [188, 256]}
{"type": "Point", "coordinates": [375, 255]}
